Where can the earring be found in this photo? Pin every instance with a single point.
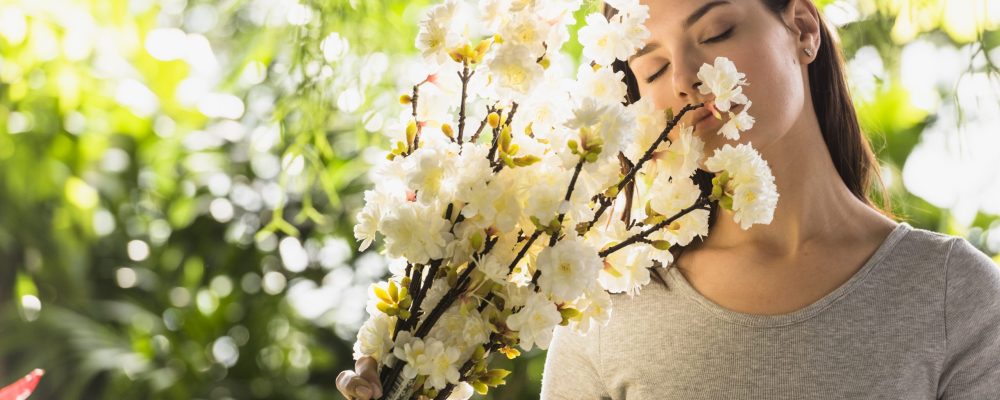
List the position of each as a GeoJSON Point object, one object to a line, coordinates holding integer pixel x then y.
{"type": "Point", "coordinates": [808, 51]}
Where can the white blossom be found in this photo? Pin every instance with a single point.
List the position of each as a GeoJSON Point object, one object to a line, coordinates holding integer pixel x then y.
{"type": "Point", "coordinates": [374, 337]}
{"type": "Point", "coordinates": [412, 351]}
{"type": "Point", "coordinates": [568, 268]}
{"type": "Point", "coordinates": [416, 231]}
{"type": "Point", "coordinates": [683, 155]}
{"type": "Point", "coordinates": [683, 230]}
{"type": "Point", "coordinates": [603, 124]}
{"type": "Point", "coordinates": [428, 169]}
{"type": "Point", "coordinates": [603, 41]}
{"type": "Point", "coordinates": [601, 84]}
{"type": "Point", "coordinates": [443, 365]}
{"type": "Point", "coordinates": [594, 307]}
{"type": "Point", "coordinates": [620, 37]}
{"type": "Point", "coordinates": [751, 185]}
{"type": "Point", "coordinates": [548, 181]}
{"type": "Point", "coordinates": [515, 71]}
{"type": "Point", "coordinates": [463, 391]}
{"type": "Point", "coordinates": [525, 28]}
{"type": "Point", "coordinates": [649, 124]}
{"type": "Point", "coordinates": [535, 322]}
{"type": "Point", "coordinates": [627, 270]}
{"type": "Point", "coordinates": [367, 226]}
{"type": "Point", "coordinates": [428, 357]}
{"type": "Point", "coordinates": [544, 113]}
{"type": "Point", "coordinates": [436, 36]}
{"type": "Point", "coordinates": [669, 196]}
{"type": "Point", "coordinates": [737, 123]}
{"type": "Point", "coordinates": [494, 13]}
{"type": "Point", "coordinates": [475, 330]}
{"type": "Point", "coordinates": [724, 82]}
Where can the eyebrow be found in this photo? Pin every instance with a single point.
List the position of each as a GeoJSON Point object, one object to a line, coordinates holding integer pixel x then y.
{"type": "Point", "coordinates": [694, 17]}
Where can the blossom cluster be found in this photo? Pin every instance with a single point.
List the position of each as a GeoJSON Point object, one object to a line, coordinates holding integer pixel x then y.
{"type": "Point", "coordinates": [504, 195]}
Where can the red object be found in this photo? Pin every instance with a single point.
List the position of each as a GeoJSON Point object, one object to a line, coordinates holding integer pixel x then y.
{"type": "Point", "coordinates": [21, 389]}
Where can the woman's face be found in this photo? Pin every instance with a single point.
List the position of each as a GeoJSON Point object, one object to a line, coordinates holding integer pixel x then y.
{"type": "Point", "coordinates": [684, 34]}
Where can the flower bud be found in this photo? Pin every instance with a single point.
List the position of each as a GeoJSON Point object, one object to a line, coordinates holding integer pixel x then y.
{"type": "Point", "coordinates": [573, 146]}
{"type": "Point", "coordinates": [493, 119]}
{"type": "Point", "coordinates": [661, 244]}
{"type": "Point", "coordinates": [411, 132]}
{"type": "Point", "coordinates": [448, 131]}
{"type": "Point", "coordinates": [476, 240]}
{"type": "Point", "coordinates": [405, 99]}
{"type": "Point", "coordinates": [568, 314]}
{"type": "Point", "coordinates": [505, 138]}
{"type": "Point", "coordinates": [481, 49]}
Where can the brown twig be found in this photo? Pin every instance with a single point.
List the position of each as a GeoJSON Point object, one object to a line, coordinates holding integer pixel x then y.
{"type": "Point", "coordinates": [449, 298]}
{"type": "Point", "coordinates": [464, 76]}
{"type": "Point", "coordinates": [492, 345]}
{"type": "Point", "coordinates": [645, 157]}
{"type": "Point", "coordinates": [642, 235]}
{"type": "Point", "coordinates": [482, 124]}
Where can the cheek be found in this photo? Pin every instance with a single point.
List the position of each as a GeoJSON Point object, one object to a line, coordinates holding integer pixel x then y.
{"type": "Point", "coordinates": [776, 88]}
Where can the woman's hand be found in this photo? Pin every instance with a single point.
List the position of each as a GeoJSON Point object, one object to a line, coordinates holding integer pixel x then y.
{"type": "Point", "coordinates": [362, 383]}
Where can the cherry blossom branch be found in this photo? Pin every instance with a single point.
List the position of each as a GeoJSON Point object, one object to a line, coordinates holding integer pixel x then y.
{"type": "Point", "coordinates": [703, 201]}
{"type": "Point", "coordinates": [419, 298]}
{"type": "Point", "coordinates": [510, 268]}
{"type": "Point", "coordinates": [464, 76]}
{"type": "Point", "coordinates": [418, 291]}
{"type": "Point", "coordinates": [482, 124]}
{"type": "Point", "coordinates": [460, 285]}
{"type": "Point", "coordinates": [415, 283]}
{"type": "Point", "coordinates": [413, 102]}
{"type": "Point", "coordinates": [498, 165]}
{"type": "Point", "coordinates": [555, 237]}
{"type": "Point", "coordinates": [492, 345]}
{"type": "Point", "coordinates": [630, 176]}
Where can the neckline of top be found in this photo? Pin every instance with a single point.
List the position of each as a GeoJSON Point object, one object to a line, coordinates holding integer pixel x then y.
{"type": "Point", "coordinates": [775, 320]}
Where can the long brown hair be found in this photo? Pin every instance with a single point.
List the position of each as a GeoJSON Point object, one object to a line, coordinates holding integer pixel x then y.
{"type": "Point", "coordinates": [849, 147]}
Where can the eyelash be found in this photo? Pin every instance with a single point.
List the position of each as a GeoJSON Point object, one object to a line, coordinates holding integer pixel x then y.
{"type": "Point", "coordinates": [722, 36]}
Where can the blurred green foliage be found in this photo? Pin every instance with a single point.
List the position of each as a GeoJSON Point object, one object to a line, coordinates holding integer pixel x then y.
{"type": "Point", "coordinates": [178, 181]}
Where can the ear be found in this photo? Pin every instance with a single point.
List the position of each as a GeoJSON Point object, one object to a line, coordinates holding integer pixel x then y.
{"type": "Point", "coordinates": [804, 21]}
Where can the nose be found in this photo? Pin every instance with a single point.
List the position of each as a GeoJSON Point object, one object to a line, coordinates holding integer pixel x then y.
{"type": "Point", "coordinates": [686, 80]}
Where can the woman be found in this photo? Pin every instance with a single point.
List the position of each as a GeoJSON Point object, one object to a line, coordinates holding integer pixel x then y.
{"type": "Point", "coordinates": [831, 300]}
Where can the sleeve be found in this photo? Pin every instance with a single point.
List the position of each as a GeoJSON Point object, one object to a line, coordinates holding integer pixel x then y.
{"type": "Point", "coordinates": [971, 368]}
{"type": "Point", "coordinates": [570, 371]}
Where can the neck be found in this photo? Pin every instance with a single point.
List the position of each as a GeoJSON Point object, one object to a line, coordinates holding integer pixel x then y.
{"type": "Point", "coordinates": [813, 204]}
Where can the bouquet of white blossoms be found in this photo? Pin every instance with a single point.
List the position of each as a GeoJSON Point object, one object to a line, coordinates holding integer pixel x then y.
{"type": "Point", "coordinates": [561, 195]}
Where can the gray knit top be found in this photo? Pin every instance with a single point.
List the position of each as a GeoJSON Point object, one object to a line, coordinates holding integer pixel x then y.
{"type": "Point", "coordinates": [920, 320]}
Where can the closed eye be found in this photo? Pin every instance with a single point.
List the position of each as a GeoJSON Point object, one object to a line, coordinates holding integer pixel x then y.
{"type": "Point", "coordinates": [657, 73]}
{"type": "Point", "coordinates": [722, 36]}
{"type": "Point", "coordinates": [718, 38]}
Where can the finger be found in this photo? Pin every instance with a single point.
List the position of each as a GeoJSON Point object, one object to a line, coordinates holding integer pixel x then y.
{"type": "Point", "coordinates": [367, 368]}
{"type": "Point", "coordinates": [343, 379]}
{"type": "Point", "coordinates": [360, 388]}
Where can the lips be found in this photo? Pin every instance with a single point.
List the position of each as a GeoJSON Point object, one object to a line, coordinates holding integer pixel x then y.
{"type": "Point", "coordinates": [699, 115]}
{"type": "Point", "coordinates": [702, 118]}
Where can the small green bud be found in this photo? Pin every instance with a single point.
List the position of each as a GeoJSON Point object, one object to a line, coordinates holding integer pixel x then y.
{"type": "Point", "coordinates": [661, 244]}
{"type": "Point", "coordinates": [568, 314]}
{"type": "Point", "coordinates": [476, 240]}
